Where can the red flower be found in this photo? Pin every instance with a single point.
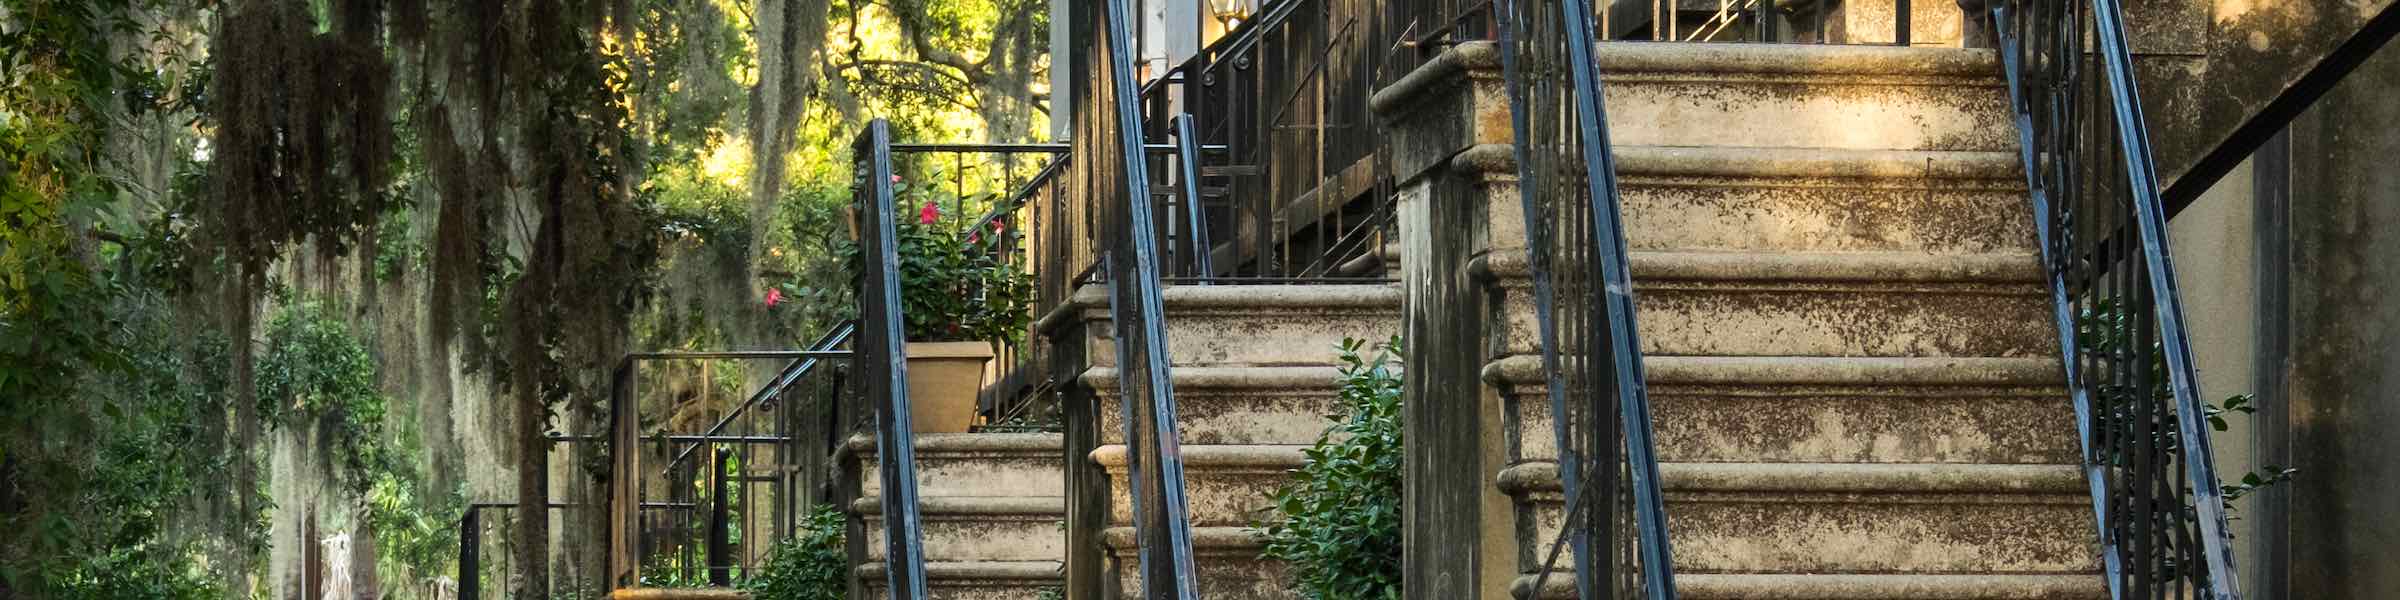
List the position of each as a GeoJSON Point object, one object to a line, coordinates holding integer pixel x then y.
{"type": "Point", "coordinates": [929, 214]}
{"type": "Point", "coordinates": [974, 236]}
{"type": "Point", "coordinates": [774, 295]}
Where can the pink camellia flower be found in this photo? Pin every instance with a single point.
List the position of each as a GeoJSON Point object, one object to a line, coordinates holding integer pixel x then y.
{"type": "Point", "coordinates": [932, 211]}
{"type": "Point", "coordinates": [774, 296]}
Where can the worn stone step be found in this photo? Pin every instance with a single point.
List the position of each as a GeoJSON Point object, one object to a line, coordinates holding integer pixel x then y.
{"type": "Point", "coordinates": [1812, 409]}
{"type": "Point", "coordinates": [1852, 518]}
{"type": "Point", "coordinates": [1233, 405]}
{"type": "Point", "coordinates": [1246, 325]}
{"type": "Point", "coordinates": [980, 580]}
{"type": "Point", "coordinates": [1823, 200]}
{"type": "Point", "coordinates": [1224, 485]}
{"type": "Point", "coordinates": [1226, 561]}
{"type": "Point", "coordinates": [1732, 199]}
{"type": "Point", "coordinates": [977, 528]}
{"type": "Point", "coordinates": [1817, 304]}
{"type": "Point", "coordinates": [1805, 96]}
{"type": "Point", "coordinates": [1847, 586]}
{"type": "Point", "coordinates": [973, 464]}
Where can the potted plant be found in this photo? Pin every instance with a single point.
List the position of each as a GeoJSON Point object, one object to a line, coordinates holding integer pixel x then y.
{"type": "Point", "coordinates": [960, 299]}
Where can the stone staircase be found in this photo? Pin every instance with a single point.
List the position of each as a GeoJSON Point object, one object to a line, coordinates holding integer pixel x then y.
{"type": "Point", "coordinates": [1849, 343]}
{"type": "Point", "coordinates": [1254, 381]}
{"type": "Point", "coordinates": [991, 506]}
{"type": "Point", "coordinates": [1254, 377]}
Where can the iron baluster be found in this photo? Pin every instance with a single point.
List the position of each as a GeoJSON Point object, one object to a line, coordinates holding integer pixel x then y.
{"type": "Point", "coordinates": [883, 359]}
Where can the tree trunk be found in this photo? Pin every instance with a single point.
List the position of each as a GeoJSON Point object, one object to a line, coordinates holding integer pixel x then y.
{"type": "Point", "coordinates": [533, 491]}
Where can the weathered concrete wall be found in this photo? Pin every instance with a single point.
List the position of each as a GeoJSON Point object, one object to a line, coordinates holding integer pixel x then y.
{"type": "Point", "coordinates": [2345, 363]}
{"type": "Point", "coordinates": [2325, 534]}
{"type": "Point", "coordinates": [2215, 251]}
{"type": "Point", "coordinates": [2208, 66]}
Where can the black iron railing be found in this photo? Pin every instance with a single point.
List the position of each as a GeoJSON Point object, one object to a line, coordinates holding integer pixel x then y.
{"type": "Point", "coordinates": [1583, 295]}
{"type": "Point", "coordinates": [882, 363]}
{"type": "Point", "coordinates": [702, 507]}
{"type": "Point", "coordinates": [1296, 192]}
{"type": "Point", "coordinates": [2103, 238]}
{"type": "Point", "coordinates": [1112, 177]}
{"type": "Point", "coordinates": [1436, 23]}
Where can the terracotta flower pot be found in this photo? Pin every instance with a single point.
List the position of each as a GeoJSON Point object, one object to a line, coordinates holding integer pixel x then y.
{"type": "Point", "coordinates": [943, 379]}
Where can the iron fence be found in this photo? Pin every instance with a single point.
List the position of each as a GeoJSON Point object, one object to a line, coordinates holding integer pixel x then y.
{"type": "Point", "coordinates": [692, 507]}
{"type": "Point", "coordinates": [1287, 185]}
{"type": "Point", "coordinates": [2102, 231]}
{"type": "Point", "coordinates": [1433, 24]}
{"type": "Point", "coordinates": [1584, 304]}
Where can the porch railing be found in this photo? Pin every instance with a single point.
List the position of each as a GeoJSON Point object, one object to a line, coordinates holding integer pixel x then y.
{"type": "Point", "coordinates": [2102, 231]}
{"type": "Point", "coordinates": [1113, 177]}
{"type": "Point", "coordinates": [1584, 305]}
{"type": "Point", "coordinates": [1285, 185]}
{"type": "Point", "coordinates": [702, 508]}
{"type": "Point", "coordinates": [1435, 23]}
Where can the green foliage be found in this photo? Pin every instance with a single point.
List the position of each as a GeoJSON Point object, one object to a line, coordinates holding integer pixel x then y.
{"type": "Point", "coordinates": [1338, 520]}
{"type": "Point", "coordinates": [955, 285]}
{"type": "Point", "coordinates": [98, 424]}
{"type": "Point", "coordinates": [813, 565]}
{"type": "Point", "coordinates": [315, 372]}
{"type": "Point", "coordinates": [2105, 331]}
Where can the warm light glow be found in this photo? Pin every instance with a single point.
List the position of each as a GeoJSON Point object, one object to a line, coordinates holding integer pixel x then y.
{"type": "Point", "coordinates": [728, 163]}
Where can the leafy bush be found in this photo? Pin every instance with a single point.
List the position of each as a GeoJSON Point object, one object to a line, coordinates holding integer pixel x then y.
{"type": "Point", "coordinates": [955, 285]}
{"type": "Point", "coordinates": [813, 565]}
{"type": "Point", "coordinates": [315, 370]}
{"type": "Point", "coordinates": [1338, 520]}
{"type": "Point", "coordinates": [2105, 332]}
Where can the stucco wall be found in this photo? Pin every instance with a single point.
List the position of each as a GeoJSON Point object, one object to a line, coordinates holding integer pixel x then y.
{"type": "Point", "coordinates": [2342, 328]}
{"type": "Point", "coordinates": [2345, 352]}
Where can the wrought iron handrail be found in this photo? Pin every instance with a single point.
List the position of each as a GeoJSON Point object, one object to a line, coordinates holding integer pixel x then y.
{"type": "Point", "coordinates": [1274, 218]}
{"type": "Point", "coordinates": [1118, 179]}
{"type": "Point", "coordinates": [792, 372]}
{"type": "Point", "coordinates": [1591, 349]}
{"type": "Point", "coordinates": [638, 533]}
{"type": "Point", "coordinates": [2127, 357]}
{"type": "Point", "coordinates": [882, 361]}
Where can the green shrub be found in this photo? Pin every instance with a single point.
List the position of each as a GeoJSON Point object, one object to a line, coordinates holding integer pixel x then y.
{"type": "Point", "coordinates": [1338, 520]}
{"type": "Point", "coordinates": [812, 565]}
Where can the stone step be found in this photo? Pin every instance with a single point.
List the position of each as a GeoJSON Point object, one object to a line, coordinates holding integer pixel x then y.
{"type": "Point", "coordinates": [1233, 405]}
{"type": "Point", "coordinates": [1818, 304]}
{"type": "Point", "coordinates": [1805, 96]}
{"type": "Point", "coordinates": [1852, 518]}
{"type": "Point", "coordinates": [1224, 485]}
{"type": "Point", "coordinates": [1730, 199]}
{"type": "Point", "coordinates": [1846, 586]}
{"type": "Point", "coordinates": [1823, 200]}
{"type": "Point", "coordinates": [973, 464]}
{"type": "Point", "coordinates": [1247, 325]}
{"type": "Point", "coordinates": [1828, 410]}
{"type": "Point", "coordinates": [977, 529]}
{"type": "Point", "coordinates": [1225, 559]}
{"type": "Point", "coordinates": [982, 580]}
